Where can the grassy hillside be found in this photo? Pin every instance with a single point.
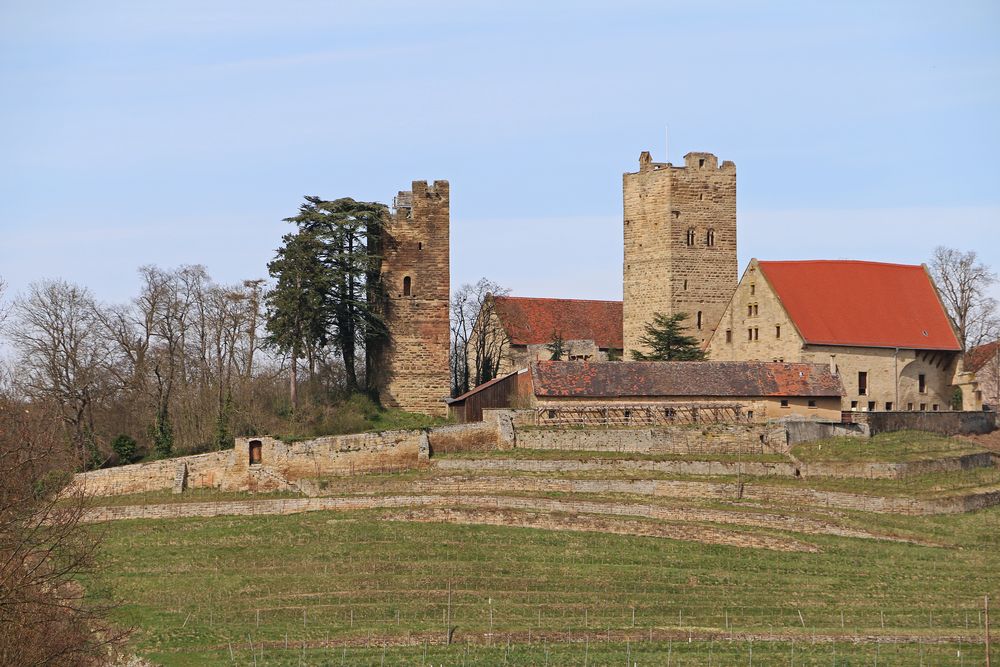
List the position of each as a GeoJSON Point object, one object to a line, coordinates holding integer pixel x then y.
{"type": "Point", "coordinates": [349, 588]}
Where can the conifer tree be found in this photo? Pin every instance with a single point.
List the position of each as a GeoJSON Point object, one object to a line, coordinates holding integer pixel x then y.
{"type": "Point", "coordinates": [557, 347]}
{"type": "Point", "coordinates": [665, 339]}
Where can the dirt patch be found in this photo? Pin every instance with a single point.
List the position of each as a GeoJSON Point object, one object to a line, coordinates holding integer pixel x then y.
{"type": "Point", "coordinates": [990, 441]}
{"type": "Point", "coordinates": [584, 523]}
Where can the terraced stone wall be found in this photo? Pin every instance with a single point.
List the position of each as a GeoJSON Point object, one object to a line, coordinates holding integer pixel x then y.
{"type": "Point", "coordinates": [708, 439]}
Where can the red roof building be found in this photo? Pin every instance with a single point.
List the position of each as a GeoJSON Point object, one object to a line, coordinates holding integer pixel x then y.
{"type": "Point", "coordinates": [882, 327]}
{"type": "Point", "coordinates": [532, 321]}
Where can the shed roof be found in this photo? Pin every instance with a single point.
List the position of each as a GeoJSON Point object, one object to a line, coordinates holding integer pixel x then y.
{"type": "Point", "coordinates": [609, 379]}
{"type": "Point", "coordinates": [531, 321]}
{"type": "Point", "coordinates": [867, 304]}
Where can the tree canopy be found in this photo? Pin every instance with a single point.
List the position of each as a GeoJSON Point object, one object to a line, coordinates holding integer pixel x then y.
{"type": "Point", "coordinates": [666, 341]}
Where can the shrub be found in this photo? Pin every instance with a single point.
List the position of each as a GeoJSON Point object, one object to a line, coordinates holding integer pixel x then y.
{"type": "Point", "coordinates": [126, 448]}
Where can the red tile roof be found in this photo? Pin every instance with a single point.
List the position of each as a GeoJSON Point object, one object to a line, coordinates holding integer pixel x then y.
{"type": "Point", "coordinates": [529, 321]}
{"type": "Point", "coordinates": [868, 304]}
{"type": "Point", "coordinates": [616, 379]}
{"type": "Point", "coordinates": [981, 355]}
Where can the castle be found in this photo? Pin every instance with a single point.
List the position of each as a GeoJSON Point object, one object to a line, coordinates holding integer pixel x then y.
{"type": "Point", "coordinates": [895, 349]}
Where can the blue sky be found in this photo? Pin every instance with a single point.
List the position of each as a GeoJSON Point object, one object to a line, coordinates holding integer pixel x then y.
{"type": "Point", "coordinates": [183, 132]}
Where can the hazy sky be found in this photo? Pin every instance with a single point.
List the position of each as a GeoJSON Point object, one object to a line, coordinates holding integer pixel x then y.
{"type": "Point", "coordinates": [183, 132]}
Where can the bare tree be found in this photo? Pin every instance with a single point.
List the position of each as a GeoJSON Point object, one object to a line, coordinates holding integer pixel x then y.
{"type": "Point", "coordinates": [477, 345]}
{"type": "Point", "coordinates": [62, 355]}
{"type": "Point", "coordinates": [45, 616]}
{"type": "Point", "coordinates": [964, 282]}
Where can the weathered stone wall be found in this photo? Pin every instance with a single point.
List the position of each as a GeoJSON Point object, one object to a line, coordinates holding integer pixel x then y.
{"type": "Point", "coordinates": [472, 437]}
{"type": "Point", "coordinates": [203, 471]}
{"type": "Point", "coordinates": [662, 272]}
{"type": "Point", "coordinates": [807, 431]}
{"type": "Point", "coordinates": [945, 423]}
{"type": "Point", "coordinates": [707, 439]}
{"type": "Point", "coordinates": [416, 371]}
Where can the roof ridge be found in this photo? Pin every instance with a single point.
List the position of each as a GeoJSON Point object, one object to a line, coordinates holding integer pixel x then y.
{"type": "Point", "coordinates": [555, 298]}
{"type": "Point", "coordinates": [837, 261]}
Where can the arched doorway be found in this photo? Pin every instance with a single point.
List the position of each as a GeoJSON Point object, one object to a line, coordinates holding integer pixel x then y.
{"type": "Point", "coordinates": [256, 451]}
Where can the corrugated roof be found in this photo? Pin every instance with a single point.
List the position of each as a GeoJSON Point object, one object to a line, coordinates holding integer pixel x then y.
{"type": "Point", "coordinates": [868, 304]}
{"type": "Point", "coordinates": [530, 321]}
{"type": "Point", "coordinates": [610, 379]}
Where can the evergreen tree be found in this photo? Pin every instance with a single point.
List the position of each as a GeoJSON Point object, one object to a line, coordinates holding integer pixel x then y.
{"type": "Point", "coordinates": [667, 342]}
{"type": "Point", "coordinates": [351, 235]}
{"type": "Point", "coordinates": [557, 347]}
{"type": "Point", "coordinates": [297, 313]}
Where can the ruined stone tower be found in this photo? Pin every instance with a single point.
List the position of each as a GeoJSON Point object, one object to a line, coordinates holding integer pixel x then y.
{"type": "Point", "coordinates": [417, 282]}
{"type": "Point", "coordinates": [680, 244]}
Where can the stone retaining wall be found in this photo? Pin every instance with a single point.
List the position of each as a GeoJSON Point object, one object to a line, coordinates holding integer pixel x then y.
{"type": "Point", "coordinates": [945, 423]}
{"type": "Point", "coordinates": [707, 439]}
{"type": "Point", "coordinates": [755, 468]}
{"type": "Point", "coordinates": [203, 471]}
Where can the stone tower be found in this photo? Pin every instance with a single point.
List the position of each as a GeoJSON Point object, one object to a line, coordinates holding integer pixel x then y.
{"type": "Point", "coordinates": [415, 272]}
{"type": "Point", "coordinates": [680, 244]}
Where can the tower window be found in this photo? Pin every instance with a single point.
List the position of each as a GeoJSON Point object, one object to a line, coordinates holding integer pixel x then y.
{"type": "Point", "coordinates": [710, 238]}
{"type": "Point", "coordinates": [685, 285]}
{"type": "Point", "coordinates": [690, 236]}
{"type": "Point", "coordinates": [862, 383]}
{"type": "Point", "coordinates": [407, 285]}
{"type": "Point", "coordinates": [701, 162]}
{"type": "Point", "coordinates": [698, 320]}
{"type": "Point", "coordinates": [420, 245]}
{"type": "Point", "coordinates": [922, 383]}
{"type": "Point", "coordinates": [753, 289]}
{"type": "Point", "coordinates": [777, 331]}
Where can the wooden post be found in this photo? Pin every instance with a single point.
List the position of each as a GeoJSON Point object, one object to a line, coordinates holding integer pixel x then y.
{"type": "Point", "coordinates": [986, 608]}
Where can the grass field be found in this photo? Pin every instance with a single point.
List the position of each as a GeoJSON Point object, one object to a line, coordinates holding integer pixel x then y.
{"type": "Point", "coordinates": [895, 447]}
{"type": "Point", "coordinates": [348, 588]}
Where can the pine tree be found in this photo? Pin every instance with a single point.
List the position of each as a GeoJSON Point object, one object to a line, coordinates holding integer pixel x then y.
{"type": "Point", "coordinates": [557, 347]}
{"type": "Point", "coordinates": [666, 341]}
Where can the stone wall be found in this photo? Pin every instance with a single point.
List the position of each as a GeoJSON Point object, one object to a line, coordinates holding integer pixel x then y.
{"type": "Point", "coordinates": [662, 272]}
{"type": "Point", "coordinates": [416, 274]}
{"type": "Point", "coordinates": [203, 471]}
{"type": "Point", "coordinates": [945, 423]}
{"type": "Point", "coordinates": [472, 437]}
{"type": "Point", "coordinates": [707, 439]}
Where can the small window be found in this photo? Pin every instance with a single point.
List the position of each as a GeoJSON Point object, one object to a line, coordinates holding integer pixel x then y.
{"type": "Point", "coordinates": [755, 310]}
{"type": "Point", "coordinates": [753, 289]}
{"type": "Point", "coordinates": [690, 236]}
{"type": "Point", "coordinates": [698, 320]}
{"type": "Point", "coordinates": [749, 310]}
{"type": "Point", "coordinates": [784, 402]}
{"type": "Point", "coordinates": [685, 285]}
{"type": "Point", "coordinates": [909, 406]}
{"type": "Point", "coordinates": [888, 406]}
{"type": "Point", "coordinates": [871, 406]}
{"type": "Point", "coordinates": [407, 285]}
{"type": "Point", "coordinates": [749, 415]}
{"type": "Point", "coordinates": [923, 407]}
{"type": "Point", "coordinates": [420, 245]}
{"type": "Point", "coordinates": [729, 335]}
{"type": "Point", "coordinates": [710, 238]}
{"type": "Point", "coordinates": [756, 333]}
{"type": "Point", "coordinates": [854, 405]}
{"type": "Point", "coordinates": [750, 334]}
{"type": "Point", "coordinates": [777, 331]}
{"type": "Point", "coordinates": [552, 414]}
{"type": "Point", "coordinates": [922, 383]}
{"type": "Point", "coordinates": [256, 452]}
{"type": "Point", "coordinates": [812, 402]}
{"type": "Point", "coordinates": [863, 383]}
{"type": "Point", "coordinates": [701, 162]}
{"type": "Point", "coordinates": [934, 407]}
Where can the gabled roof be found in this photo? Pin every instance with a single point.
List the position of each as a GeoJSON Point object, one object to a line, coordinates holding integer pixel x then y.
{"type": "Point", "coordinates": [613, 379]}
{"type": "Point", "coordinates": [980, 355]}
{"type": "Point", "coordinates": [867, 304]}
{"type": "Point", "coordinates": [530, 321]}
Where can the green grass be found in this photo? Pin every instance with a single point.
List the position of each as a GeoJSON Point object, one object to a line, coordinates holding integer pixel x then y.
{"type": "Point", "coordinates": [523, 454]}
{"type": "Point", "coordinates": [896, 447]}
{"type": "Point", "coordinates": [192, 587]}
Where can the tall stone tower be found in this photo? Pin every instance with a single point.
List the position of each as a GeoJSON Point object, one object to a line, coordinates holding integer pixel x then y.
{"type": "Point", "coordinates": [680, 244]}
{"type": "Point", "coordinates": [415, 272]}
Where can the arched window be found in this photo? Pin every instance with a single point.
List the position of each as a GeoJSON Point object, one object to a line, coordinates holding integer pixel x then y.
{"type": "Point", "coordinates": [406, 286]}
{"type": "Point", "coordinates": [690, 236]}
{"type": "Point", "coordinates": [710, 238]}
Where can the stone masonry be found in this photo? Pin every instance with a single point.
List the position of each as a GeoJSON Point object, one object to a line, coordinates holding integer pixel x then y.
{"type": "Point", "coordinates": [415, 271]}
{"type": "Point", "coordinates": [680, 243]}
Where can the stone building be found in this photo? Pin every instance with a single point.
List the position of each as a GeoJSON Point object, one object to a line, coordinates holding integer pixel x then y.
{"type": "Point", "coordinates": [415, 272]}
{"type": "Point", "coordinates": [680, 244]}
{"type": "Point", "coordinates": [591, 330]}
{"type": "Point", "coordinates": [648, 392]}
{"type": "Point", "coordinates": [881, 327]}
{"type": "Point", "coordinates": [984, 362]}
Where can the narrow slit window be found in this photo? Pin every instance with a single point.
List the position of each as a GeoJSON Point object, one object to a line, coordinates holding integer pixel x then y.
{"type": "Point", "coordinates": [777, 331]}
{"type": "Point", "coordinates": [698, 320]}
{"type": "Point", "coordinates": [690, 236]}
{"type": "Point", "coordinates": [729, 335]}
{"type": "Point", "coordinates": [710, 238]}
{"type": "Point", "coordinates": [407, 286]}
{"type": "Point", "coordinates": [862, 383]}
{"type": "Point", "coordinates": [922, 383]}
